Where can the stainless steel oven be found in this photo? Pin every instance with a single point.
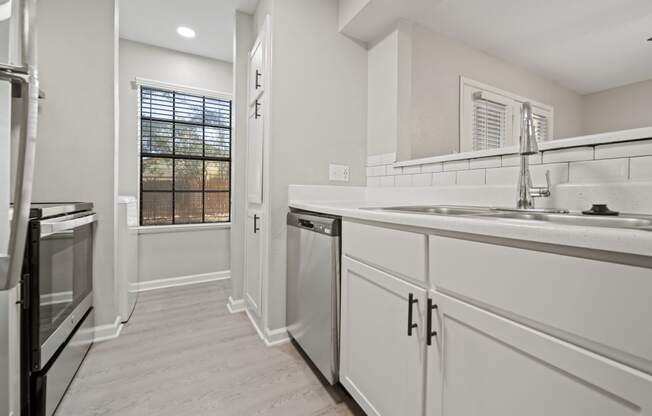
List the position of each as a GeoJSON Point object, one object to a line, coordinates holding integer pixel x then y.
{"type": "Point", "coordinates": [58, 297]}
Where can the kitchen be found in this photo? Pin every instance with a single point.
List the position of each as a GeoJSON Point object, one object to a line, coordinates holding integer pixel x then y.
{"type": "Point", "coordinates": [326, 207]}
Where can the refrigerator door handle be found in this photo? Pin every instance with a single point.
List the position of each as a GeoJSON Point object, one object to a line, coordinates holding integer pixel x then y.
{"type": "Point", "coordinates": [10, 271]}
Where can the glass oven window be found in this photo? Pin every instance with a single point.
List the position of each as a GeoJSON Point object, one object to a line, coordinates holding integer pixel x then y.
{"type": "Point", "coordinates": [65, 276]}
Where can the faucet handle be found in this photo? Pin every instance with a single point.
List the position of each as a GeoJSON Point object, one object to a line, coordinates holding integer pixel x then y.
{"type": "Point", "coordinates": [542, 191]}
{"type": "Point", "coordinates": [548, 182]}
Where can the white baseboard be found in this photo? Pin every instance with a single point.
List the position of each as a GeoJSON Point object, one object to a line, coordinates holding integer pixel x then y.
{"type": "Point", "coordinates": [235, 306]}
{"type": "Point", "coordinates": [108, 331]}
{"type": "Point", "coordinates": [276, 336]}
{"type": "Point", "coordinates": [183, 280]}
{"type": "Point", "coordinates": [271, 338]}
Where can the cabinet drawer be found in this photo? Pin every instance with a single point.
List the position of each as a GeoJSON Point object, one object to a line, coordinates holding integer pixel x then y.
{"type": "Point", "coordinates": [602, 306]}
{"type": "Point", "coordinates": [403, 253]}
{"type": "Point", "coordinates": [493, 366]}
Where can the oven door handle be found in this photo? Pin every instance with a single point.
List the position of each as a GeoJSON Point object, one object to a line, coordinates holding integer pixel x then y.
{"type": "Point", "coordinates": [53, 226]}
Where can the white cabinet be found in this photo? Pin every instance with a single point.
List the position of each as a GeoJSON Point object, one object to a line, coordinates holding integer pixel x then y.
{"type": "Point", "coordinates": [255, 149]}
{"type": "Point", "coordinates": [493, 366]}
{"type": "Point", "coordinates": [382, 366]}
{"type": "Point", "coordinates": [256, 69]}
{"type": "Point", "coordinates": [596, 304]}
{"type": "Point", "coordinates": [253, 265]}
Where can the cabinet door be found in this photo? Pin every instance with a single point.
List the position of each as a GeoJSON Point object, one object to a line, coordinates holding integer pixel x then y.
{"type": "Point", "coordinates": [255, 143]}
{"type": "Point", "coordinates": [256, 64]}
{"type": "Point", "coordinates": [253, 262]}
{"type": "Point", "coordinates": [381, 366]}
{"type": "Point", "coordinates": [493, 366]}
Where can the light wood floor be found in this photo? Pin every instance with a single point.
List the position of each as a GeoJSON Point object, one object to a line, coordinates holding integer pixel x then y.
{"type": "Point", "coordinates": [182, 353]}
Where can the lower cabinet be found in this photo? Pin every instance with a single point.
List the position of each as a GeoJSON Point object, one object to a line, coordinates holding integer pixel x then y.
{"type": "Point", "coordinates": [253, 262]}
{"type": "Point", "coordinates": [484, 364]}
{"type": "Point", "coordinates": [382, 364]}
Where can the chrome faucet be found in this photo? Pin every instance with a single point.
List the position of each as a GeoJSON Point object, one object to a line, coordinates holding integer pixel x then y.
{"type": "Point", "coordinates": [528, 146]}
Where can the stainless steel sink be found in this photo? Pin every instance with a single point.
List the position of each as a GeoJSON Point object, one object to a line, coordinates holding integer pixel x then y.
{"type": "Point", "coordinates": [624, 221]}
{"type": "Point", "coordinates": [438, 209]}
{"type": "Point", "coordinates": [640, 222]}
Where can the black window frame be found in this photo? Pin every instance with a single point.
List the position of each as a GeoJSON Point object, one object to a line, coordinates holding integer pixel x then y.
{"type": "Point", "coordinates": [174, 156]}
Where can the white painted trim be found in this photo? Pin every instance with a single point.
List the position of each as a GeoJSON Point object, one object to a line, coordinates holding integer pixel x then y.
{"type": "Point", "coordinates": [235, 306]}
{"type": "Point", "coordinates": [159, 229]}
{"type": "Point", "coordinates": [182, 280]}
{"type": "Point", "coordinates": [276, 336]}
{"type": "Point", "coordinates": [271, 338]}
{"type": "Point", "coordinates": [144, 82]}
{"type": "Point", "coordinates": [108, 331]}
{"type": "Point", "coordinates": [620, 136]}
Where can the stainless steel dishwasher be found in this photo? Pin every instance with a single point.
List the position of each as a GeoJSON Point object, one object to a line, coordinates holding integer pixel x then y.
{"type": "Point", "coordinates": [313, 288]}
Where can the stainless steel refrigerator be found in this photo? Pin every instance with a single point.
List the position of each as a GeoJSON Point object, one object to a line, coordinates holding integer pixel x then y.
{"type": "Point", "coordinates": [19, 93]}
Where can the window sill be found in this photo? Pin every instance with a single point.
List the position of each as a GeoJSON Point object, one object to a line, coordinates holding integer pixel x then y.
{"type": "Point", "coordinates": [160, 229]}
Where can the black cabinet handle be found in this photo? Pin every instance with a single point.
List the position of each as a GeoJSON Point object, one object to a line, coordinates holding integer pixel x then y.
{"type": "Point", "coordinates": [431, 307]}
{"type": "Point", "coordinates": [256, 229]}
{"type": "Point", "coordinates": [411, 326]}
{"type": "Point", "coordinates": [258, 75]}
{"type": "Point", "coordinates": [256, 112]}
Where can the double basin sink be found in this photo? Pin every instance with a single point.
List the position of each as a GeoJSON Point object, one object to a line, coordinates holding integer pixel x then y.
{"type": "Point", "coordinates": [639, 222]}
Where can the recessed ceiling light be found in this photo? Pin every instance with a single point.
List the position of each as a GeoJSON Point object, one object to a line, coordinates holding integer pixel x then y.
{"type": "Point", "coordinates": [186, 32]}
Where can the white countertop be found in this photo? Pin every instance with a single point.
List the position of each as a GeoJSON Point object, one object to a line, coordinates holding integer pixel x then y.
{"type": "Point", "coordinates": [638, 242]}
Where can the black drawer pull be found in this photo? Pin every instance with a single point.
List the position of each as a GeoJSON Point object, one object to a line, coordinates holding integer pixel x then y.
{"type": "Point", "coordinates": [256, 228]}
{"type": "Point", "coordinates": [431, 307]}
{"type": "Point", "coordinates": [411, 326]}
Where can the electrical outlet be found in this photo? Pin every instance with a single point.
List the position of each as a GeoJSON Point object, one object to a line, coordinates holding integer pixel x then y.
{"type": "Point", "coordinates": [339, 173]}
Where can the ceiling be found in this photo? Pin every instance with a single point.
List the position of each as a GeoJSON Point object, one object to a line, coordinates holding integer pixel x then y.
{"type": "Point", "coordinates": [155, 22]}
{"type": "Point", "coordinates": [585, 45]}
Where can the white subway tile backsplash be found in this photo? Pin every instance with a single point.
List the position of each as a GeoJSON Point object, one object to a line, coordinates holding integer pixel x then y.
{"type": "Point", "coordinates": [640, 168]}
{"type": "Point", "coordinates": [456, 165]}
{"type": "Point", "coordinates": [515, 160]}
{"type": "Point", "coordinates": [568, 155]}
{"type": "Point", "coordinates": [432, 167]}
{"type": "Point", "coordinates": [586, 165]}
{"type": "Point", "coordinates": [373, 181]}
{"type": "Point", "coordinates": [485, 162]}
{"type": "Point", "coordinates": [558, 173]}
{"type": "Point", "coordinates": [444, 178]}
{"type": "Point", "coordinates": [387, 181]}
{"type": "Point", "coordinates": [618, 150]}
{"type": "Point", "coordinates": [376, 171]}
{"type": "Point", "coordinates": [471, 177]}
{"type": "Point", "coordinates": [411, 170]}
{"type": "Point", "coordinates": [606, 170]}
{"type": "Point", "coordinates": [391, 170]}
{"type": "Point", "coordinates": [404, 180]}
{"type": "Point", "coordinates": [422, 179]}
{"type": "Point", "coordinates": [502, 176]}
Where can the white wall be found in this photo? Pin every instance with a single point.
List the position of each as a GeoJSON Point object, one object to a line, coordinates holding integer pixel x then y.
{"type": "Point", "coordinates": [621, 108]}
{"type": "Point", "coordinates": [168, 254]}
{"type": "Point", "coordinates": [382, 92]}
{"type": "Point", "coordinates": [242, 43]}
{"type": "Point", "coordinates": [319, 101]}
{"type": "Point", "coordinates": [75, 151]}
{"type": "Point", "coordinates": [437, 64]}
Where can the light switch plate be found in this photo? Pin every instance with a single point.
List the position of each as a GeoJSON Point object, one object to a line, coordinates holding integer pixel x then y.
{"type": "Point", "coordinates": [338, 173]}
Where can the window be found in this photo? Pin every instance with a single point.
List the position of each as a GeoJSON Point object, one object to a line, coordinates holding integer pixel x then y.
{"type": "Point", "coordinates": [491, 118]}
{"type": "Point", "coordinates": [185, 158]}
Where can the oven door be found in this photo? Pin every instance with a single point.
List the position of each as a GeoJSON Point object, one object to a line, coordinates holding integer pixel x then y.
{"type": "Point", "coordinates": [61, 280]}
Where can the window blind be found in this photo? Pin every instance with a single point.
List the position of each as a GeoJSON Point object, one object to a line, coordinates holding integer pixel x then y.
{"type": "Point", "coordinates": [185, 158]}
{"type": "Point", "coordinates": [489, 124]}
{"type": "Point", "coordinates": [541, 127]}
